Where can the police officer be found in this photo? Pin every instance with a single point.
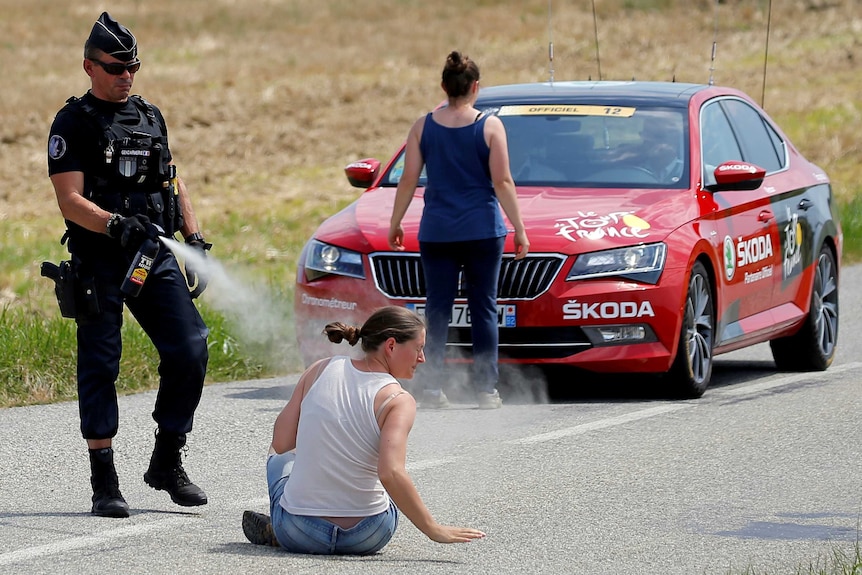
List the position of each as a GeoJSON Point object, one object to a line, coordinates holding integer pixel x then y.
{"type": "Point", "coordinates": [109, 162]}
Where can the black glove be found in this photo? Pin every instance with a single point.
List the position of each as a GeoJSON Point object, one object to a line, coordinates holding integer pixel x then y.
{"type": "Point", "coordinates": [197, 272]}
{"type": "Point", "coordinates": [131, 231]}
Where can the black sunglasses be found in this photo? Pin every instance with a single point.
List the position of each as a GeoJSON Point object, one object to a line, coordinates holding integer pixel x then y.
{"type": "Point", "coordinates": [117, 68]}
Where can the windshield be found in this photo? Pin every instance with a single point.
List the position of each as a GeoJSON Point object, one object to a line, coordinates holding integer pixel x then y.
{"type": "Point", "coordinates": [590, 146]}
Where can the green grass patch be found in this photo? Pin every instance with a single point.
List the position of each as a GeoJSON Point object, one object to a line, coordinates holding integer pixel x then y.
{"type": "Point", "coordinates": [647, 5]}
{"type": "Point", "coordinates": [38, 353]}
{"type": "Point", "coordinates": [837, 562]}
{"type": "Point", "coordinates": [251, 338]}
{"type": "Point", "coordinates": [36, 358]}
{"type": "Point", "coordinates": [851, 225]}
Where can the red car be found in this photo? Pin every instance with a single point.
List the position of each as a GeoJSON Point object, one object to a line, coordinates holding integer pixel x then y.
{"type": "Point", "coordinates": [668, 223]}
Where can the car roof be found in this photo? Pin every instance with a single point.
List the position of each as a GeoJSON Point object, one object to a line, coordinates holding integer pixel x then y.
{"type": "Point", "coordinates": [670, 94]}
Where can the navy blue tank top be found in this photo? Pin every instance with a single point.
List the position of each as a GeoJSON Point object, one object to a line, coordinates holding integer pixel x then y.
{"type": "Point", "coordinates": [460, 203]}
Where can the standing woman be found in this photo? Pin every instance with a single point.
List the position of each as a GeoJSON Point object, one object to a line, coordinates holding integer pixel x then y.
{"type": "Point", "coordinates": [466, 157]}
{"type": "Point", "coordinates": [337, 467]}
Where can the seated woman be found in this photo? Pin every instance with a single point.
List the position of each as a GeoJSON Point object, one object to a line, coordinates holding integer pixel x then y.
{"type": "Point", "coordinates": [337, 466]}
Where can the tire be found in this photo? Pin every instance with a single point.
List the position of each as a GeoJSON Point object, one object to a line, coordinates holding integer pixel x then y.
{"type": "Point", "coordinates": [812, 348]}
{"type": "Point", "coordinates": [692, 368]}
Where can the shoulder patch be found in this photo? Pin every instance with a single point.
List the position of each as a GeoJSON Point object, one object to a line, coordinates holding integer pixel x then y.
{"type": "Point", "coordinates": [56, 147]}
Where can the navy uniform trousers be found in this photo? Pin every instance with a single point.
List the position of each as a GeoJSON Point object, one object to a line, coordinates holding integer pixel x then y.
{"type": "Point", "coordinates": [165, 311]}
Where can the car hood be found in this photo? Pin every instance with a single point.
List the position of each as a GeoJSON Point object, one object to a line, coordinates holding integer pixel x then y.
{"type": "Point", "coordinates": [558, 220]}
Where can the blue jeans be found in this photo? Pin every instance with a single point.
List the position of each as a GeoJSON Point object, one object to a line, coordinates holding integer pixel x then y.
{"type": "Point", "coordinates": [441, 263]}
{"type": "Point", "coordinates": [307, 534]}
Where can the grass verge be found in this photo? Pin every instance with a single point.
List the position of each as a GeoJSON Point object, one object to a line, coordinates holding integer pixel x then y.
{"type": "Point", "coordinates": [37, 356]}
{"type": "Point", "coordinates": [837, 562]}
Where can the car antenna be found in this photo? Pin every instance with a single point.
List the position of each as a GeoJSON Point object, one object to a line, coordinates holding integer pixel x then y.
{"type": "Point", "coordinates": [551, 43]}
{"type": "Point", "coordinates": [550, 46]}
{"type": "Point", "coordinates": [766, 56]}
{"type": "Point", "coordinates": [596, 33]}
{"type": "Point", "coordinates": [714, 44]}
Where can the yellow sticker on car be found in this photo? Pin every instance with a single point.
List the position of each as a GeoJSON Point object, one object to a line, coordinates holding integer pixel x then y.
{"type": "Point", "coordinates": [633, 221]}
{"type": "Point", "coordinates": [566, 110]}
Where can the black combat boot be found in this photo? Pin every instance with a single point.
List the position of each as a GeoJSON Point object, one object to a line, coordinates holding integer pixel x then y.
{"type": "Point", "coordinates": [166, 471]}
{"type": "Point", "coordinates": [107, 499]}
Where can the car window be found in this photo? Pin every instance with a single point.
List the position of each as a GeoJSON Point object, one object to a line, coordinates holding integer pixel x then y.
{"type": "Point", "coordinates": [760, 144]}
{"type": "Point", "coordinates": [718, 141]}
{"type": "Point", "coordinates": [591, 146]}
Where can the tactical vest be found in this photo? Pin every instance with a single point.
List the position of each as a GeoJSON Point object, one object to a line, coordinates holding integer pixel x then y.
{"type": "Point", "coordinates": [134, 177]}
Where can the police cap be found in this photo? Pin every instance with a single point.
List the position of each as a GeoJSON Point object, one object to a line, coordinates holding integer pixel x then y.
{"type": "Point", "coordinates": [113, 39]}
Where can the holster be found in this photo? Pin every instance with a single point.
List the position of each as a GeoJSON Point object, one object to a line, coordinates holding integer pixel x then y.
{"type": "Point", "coordinates": [64, 286]}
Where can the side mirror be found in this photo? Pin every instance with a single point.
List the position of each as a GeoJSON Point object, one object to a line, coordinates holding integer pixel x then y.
{"type": "Point", "coordinates": [737, 176]}
{"type": "Point", "coordinates": [361, 174]}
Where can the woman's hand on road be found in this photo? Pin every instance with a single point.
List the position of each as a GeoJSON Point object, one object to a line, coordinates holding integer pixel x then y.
{"type": "Point", "coordinates": [448, 534]}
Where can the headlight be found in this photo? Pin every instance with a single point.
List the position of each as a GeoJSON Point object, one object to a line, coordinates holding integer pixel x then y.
{"type": "Point", "coordinates": [323, 259]}
{"type": "Point", "coordinates": [642, 263]}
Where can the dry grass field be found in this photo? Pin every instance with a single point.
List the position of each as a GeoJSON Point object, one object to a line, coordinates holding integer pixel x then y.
{"type": "Point", "coordinates": [268, 100]}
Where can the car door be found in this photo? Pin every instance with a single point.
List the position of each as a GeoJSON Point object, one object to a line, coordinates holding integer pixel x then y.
{"type": "Point", "coordinates": [746, 227]}
{"type": "Point", "coordinates": [763, 145]}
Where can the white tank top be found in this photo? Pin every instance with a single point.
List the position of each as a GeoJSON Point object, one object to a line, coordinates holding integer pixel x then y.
{"type": "Point", "coordinates": [337, 446]}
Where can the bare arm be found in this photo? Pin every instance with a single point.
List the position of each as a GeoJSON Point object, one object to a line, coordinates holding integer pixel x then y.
{"type": "Point", "coordinates": [413, 163]}
{"type": "Point", "coordinates": [392, 470]}
{"type": "Point", "coordinates": [190, 221]}
{"type": "Point", "coordinates": [69, 189]}
{"type": "Point", "coordinates": [287, 422]}
{"type": "Point", "coordinates": [504, 184]}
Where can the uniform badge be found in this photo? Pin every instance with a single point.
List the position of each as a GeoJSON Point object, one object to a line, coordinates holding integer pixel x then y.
{"type": "Point", "coordinates": [56, 147]}
{"type": "Point", "coordinates": [127, 166]}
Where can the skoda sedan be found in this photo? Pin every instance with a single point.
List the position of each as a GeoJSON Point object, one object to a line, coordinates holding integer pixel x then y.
{"type": "Point", "coordinates": [668, 223]}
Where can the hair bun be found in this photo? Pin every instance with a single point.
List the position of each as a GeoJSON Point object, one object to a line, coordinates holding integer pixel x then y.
{"type": "Point", "coordinates": [352, 334]}
{"type": "Point", "coordinates": [456, 62]}
{"type": "Point", "coordinates": [337, 332]}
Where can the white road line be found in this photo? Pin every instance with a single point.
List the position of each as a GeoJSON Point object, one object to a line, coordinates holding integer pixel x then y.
{"type": "Point", "coordinates": [99, 538]}
{"type": "Point", "coordinates": [602, 423]}
{"type": "Point", "coordinates": [783, 381]}
{"type": "Point", "coordinates": [84, 541]}
{"type": "Point", "coordinates": [667, 408]}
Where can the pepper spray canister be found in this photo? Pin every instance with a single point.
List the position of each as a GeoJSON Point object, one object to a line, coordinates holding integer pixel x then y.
{"type": "Point", "coordinates": [142, 263]}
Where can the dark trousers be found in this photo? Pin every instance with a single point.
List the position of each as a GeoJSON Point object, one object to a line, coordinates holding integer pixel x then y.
{"type": "Point", "coordinates": [480, 261]}
{"type": "Point", "coordinates": [168, 316]}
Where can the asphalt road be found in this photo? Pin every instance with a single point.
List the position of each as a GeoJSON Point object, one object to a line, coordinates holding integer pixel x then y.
{"type": "Point", "coordinates": [763, 472]}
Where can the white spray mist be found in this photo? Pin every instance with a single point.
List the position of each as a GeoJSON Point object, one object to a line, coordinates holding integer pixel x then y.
{"type": "Point", "coordinates": [250, 308]}
{"type": "Point", "coordinates": [261, 321]}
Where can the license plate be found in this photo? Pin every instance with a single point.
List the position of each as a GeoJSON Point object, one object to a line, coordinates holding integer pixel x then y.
{"type": "Point", "coordinates": [461, 314]}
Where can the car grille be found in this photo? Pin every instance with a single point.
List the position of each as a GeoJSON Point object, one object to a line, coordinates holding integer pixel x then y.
{"type": "Point", "coordinates": [401, 275]}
